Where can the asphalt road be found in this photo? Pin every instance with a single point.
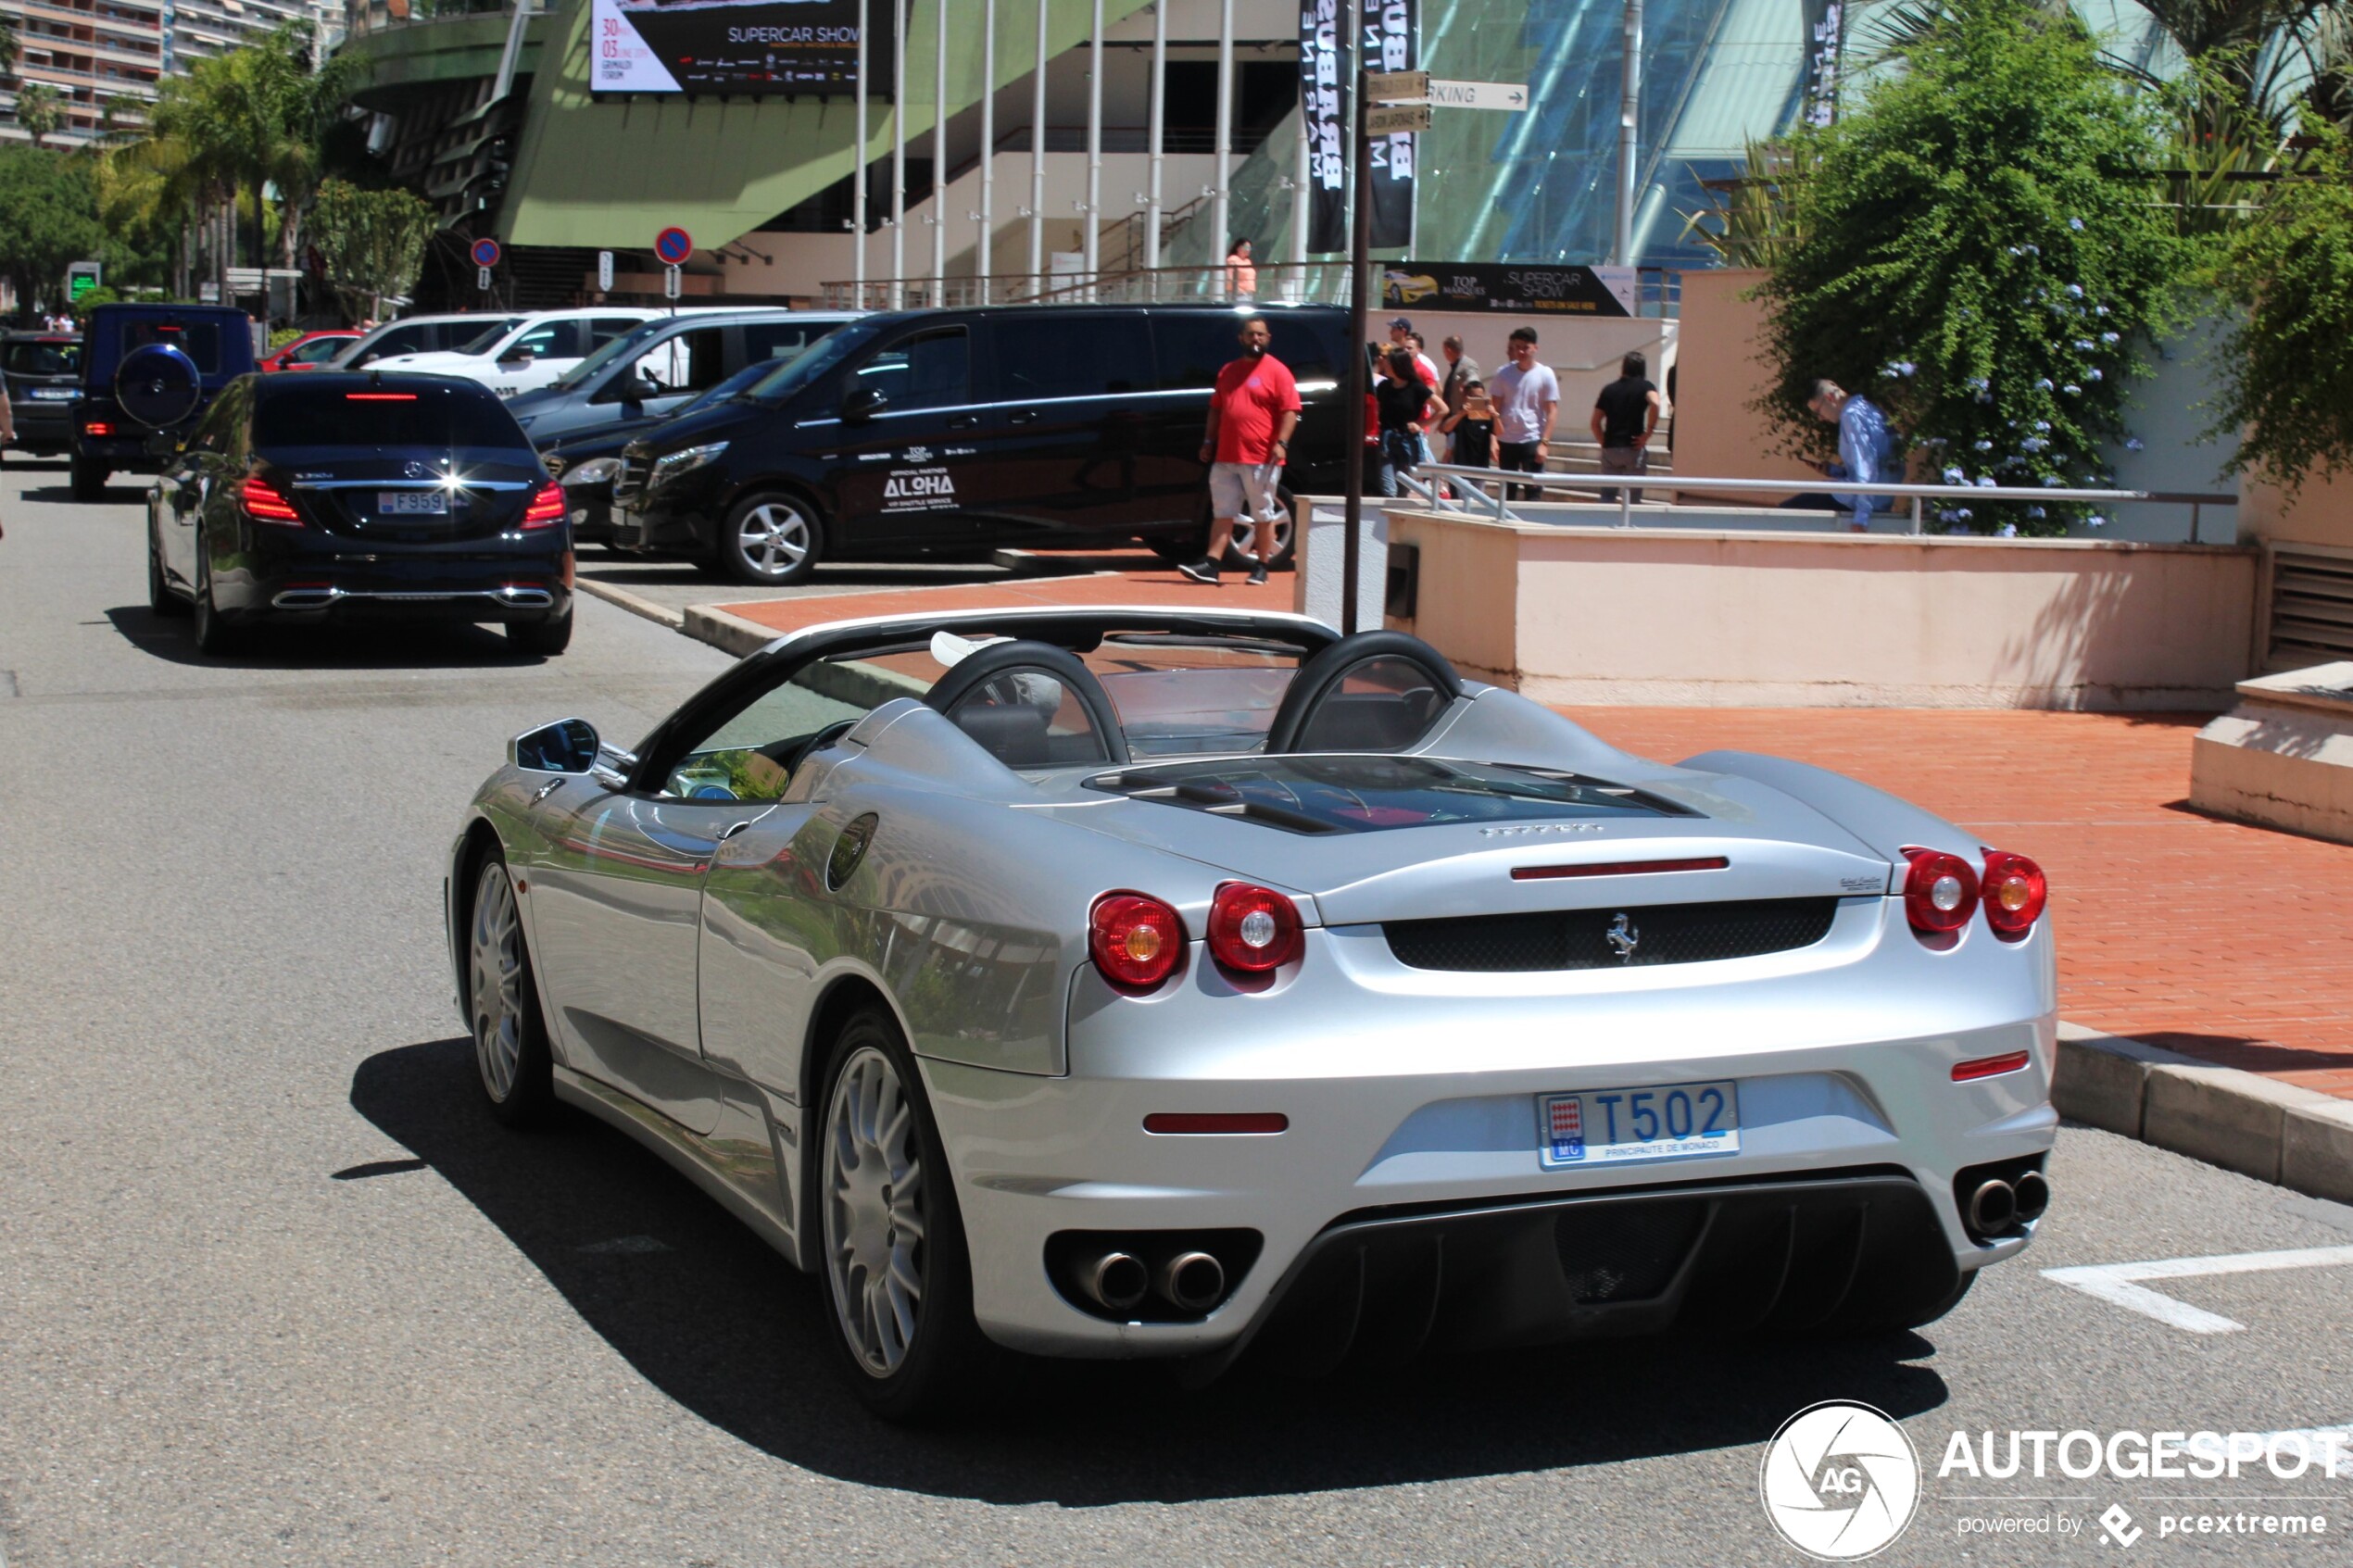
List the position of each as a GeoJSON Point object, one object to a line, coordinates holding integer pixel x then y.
{"type": "Point", "coordinates": [274, 1289]}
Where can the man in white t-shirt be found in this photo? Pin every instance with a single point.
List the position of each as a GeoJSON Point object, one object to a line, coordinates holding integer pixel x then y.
{"type": "Point", "coordinates": [1527, 395]}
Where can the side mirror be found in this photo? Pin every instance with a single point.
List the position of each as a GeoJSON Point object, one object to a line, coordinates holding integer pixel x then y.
{"type": "Point", "coordinates": [567, 746]}
{"type": "Point", "coordinates": [863, 405]}
{"type": "Point", "coordinates": [521, 357]}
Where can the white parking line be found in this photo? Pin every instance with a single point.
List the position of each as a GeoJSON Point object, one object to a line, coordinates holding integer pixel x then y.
{"type": "Point", "coordinates": [2115, 1281]}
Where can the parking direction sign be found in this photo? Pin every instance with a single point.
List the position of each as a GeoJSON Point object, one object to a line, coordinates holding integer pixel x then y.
{"type": "Point", "coordinates": [485, 251]}
{"type": "Point", "coordinates": [674, 246]}
{"type": "Point", "coordinates": [1506, 95]}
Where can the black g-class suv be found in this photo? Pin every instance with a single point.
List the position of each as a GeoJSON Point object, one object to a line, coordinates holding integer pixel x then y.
{"type": "Point", "coordinates": [148, 371]}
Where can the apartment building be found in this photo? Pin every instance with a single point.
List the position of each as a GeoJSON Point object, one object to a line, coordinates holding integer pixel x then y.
{"type": "Point", "coordinates": [105, 58]}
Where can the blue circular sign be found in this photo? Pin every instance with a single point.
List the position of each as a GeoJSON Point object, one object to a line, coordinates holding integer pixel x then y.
{"type": "Point", "coordinates": [674, 246]}
{"type": "Point", "coordinates": [486, 253]}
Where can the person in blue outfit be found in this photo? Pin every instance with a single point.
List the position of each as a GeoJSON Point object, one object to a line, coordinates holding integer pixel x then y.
{"type": "Point", "coordinates": [1865, 454]}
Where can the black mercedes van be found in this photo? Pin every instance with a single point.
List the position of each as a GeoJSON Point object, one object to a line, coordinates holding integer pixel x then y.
{"type": "Point", "coordinates": [947, 431]}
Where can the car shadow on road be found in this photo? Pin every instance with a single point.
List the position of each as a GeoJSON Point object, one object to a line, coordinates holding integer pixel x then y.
{"type": "Point", "coordinates": [62, 495]}
{"type": "Point", "coordinates": [707, 1313]}
{"type": "Point", "coordinates": [379, 645]}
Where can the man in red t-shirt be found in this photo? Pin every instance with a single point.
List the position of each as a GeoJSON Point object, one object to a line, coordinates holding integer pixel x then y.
{"type": "Point", "coordinates": [1251, 414]}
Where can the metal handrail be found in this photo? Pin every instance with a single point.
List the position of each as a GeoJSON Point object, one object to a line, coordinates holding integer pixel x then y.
{"type": "Point", "coordinates": [1626, 484]}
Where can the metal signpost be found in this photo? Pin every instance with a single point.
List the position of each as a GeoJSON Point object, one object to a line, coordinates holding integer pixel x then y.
{"type": "Point", "coordinates": [1390, 117]}
{"type": "Point", "coordinates": [485, 254]}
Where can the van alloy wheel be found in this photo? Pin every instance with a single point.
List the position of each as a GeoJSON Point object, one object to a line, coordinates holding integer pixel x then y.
{"type": "Point", "coordinates": [770, 539]}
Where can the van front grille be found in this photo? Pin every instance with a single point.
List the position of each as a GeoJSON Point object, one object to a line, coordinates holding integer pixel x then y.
{"type": "Point", "coordinates": [1610, 938]}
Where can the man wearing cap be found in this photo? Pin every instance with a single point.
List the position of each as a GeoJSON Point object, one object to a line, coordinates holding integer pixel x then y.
{"type": "Point", "coordinates": [1401, 335]}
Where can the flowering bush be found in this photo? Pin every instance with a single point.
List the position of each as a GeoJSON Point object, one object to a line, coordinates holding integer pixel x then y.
{"type": "Point", "coordinates": [1978, 252]}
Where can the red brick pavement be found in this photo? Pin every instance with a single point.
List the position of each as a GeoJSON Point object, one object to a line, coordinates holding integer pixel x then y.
{"type": "Point", "coordinates": [2224, 942]}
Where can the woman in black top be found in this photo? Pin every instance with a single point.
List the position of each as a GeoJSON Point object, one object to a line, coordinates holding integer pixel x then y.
{"type": "Point", "coordinates": [1403, 400]}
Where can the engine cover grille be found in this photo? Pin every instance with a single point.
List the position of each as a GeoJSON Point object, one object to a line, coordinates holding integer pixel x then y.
{"type": "Point", "coordinates": [1612, 938]}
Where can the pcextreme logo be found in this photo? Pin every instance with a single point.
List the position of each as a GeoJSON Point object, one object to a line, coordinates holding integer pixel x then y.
{"type": "Point", "coordinates": [1840, 1481]}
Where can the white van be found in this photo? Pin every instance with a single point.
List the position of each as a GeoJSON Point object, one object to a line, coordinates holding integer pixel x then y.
{"type": "Point", "coordinates": [532, 353]}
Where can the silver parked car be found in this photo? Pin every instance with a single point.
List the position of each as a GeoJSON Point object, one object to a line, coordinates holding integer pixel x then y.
{"type": "Point", "coordinates": [1158, 983]}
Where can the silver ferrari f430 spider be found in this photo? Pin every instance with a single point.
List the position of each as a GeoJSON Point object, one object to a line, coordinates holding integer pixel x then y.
{"type": "Point", "coordinates": [1157, 983]}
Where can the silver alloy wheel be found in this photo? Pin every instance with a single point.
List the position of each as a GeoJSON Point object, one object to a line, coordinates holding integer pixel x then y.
{"type": "Point", "coordinates": [872, 1193]}
{"type": "Point", "coordinates": [497, 972]}
{"type": "Point", "coordinates": [772, 538]}
{"type": "Point", "coordinates": [1246, 537]}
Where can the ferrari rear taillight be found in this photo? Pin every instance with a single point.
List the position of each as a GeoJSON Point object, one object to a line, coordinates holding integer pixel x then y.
{"type": "Point", "coordinates": [546, 508]}
{"type": "Point", "coordinates": [1253, 929]}
{"type": "Point", "coordinates": [263, 502]}
{"type": "Point", "coordinates": [1940, 892]}
{"type": "Point", "coordinates": [1136, 940]}
{"type": "Point", "coordinates": [2014, 892]}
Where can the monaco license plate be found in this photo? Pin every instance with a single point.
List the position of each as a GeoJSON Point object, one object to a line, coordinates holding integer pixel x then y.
{"type": "Point", "coordinates": [413, 502]}
{"type": "Point", "coordinates": [1616, 1127]}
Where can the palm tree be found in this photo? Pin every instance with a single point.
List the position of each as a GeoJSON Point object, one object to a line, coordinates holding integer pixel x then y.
{"type": "Point", "coordinates": [7, 47]}
{"type": "Point", "coordinates": [39, 110]}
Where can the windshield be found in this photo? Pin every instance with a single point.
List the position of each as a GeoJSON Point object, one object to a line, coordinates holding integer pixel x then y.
{"type": "Point", "coordinates": [737, 382]}
{"type": "Point", "coordinates": [479, 342]}
{"type": "Point", "coordinates": [783, 380]}
{"type": "Point", "coordinates": [626, 346]}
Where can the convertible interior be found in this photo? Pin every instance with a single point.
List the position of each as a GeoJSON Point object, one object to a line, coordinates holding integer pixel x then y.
{"type": "Point", "coordinates": [1082, 696]}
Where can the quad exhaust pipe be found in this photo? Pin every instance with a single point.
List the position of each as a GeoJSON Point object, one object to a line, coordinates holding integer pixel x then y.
{"type": "Point", "coordinates": [1114, 1281]}
{"type": "Point", "coordinates": [1992, 1209]}
{"type": "Point", "coordinates": [2031, 1193]}
{"type": "Point", "coordinates": [1192, 1281]}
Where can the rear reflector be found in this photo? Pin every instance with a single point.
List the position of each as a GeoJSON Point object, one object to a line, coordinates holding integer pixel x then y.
{"type": "Point", "coordinates": [380, 397]}
{"type": "Point", "coordinates": [1217, 1121]}
{"type": "Point", "coordinates": [1618, 868]}
{"type": "Point", "coordinates": [1988, 1067]}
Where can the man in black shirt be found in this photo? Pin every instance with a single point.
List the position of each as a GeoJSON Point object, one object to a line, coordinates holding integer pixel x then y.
{"type": "Point", "coordinates": [1625, 417]}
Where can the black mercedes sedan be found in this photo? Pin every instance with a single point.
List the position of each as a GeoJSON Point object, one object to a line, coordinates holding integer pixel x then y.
{"type": "Point", "coordinates": [335, 496]}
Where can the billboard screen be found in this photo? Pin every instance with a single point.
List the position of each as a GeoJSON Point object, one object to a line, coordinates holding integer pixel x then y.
{"type": "Point", "coordinates": [738, 47]}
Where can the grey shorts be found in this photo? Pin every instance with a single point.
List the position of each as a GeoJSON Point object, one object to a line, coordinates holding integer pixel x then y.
{"type": "Point", "coordinates": [1245, 490]}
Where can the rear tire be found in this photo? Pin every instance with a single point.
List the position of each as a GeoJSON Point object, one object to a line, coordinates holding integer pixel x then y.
{"type": "Point", "coordinates": [215, 636]}
{"type": "Point", "coordinates": [161, 598]}
{"type": "Point", "coordinates": [547, 638]}
{"type": "Point", "coordinates": [89, 480]}
{"type": "Point", "coordinates": [902, 1314]}
{"type": "Point", "coordinates": [512, 1060]}
{"type": "Point", "coordinates": [771, 540]}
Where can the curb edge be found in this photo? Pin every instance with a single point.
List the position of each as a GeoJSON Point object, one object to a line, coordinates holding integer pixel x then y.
{"type": "Point", "coordinates": [635, 604]}
{"type": "Point", "coordinates": [2278, 1132]}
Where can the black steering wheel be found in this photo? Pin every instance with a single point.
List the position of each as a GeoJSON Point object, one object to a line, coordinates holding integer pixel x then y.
{"type": "Point", "coordinates": [790, 756]}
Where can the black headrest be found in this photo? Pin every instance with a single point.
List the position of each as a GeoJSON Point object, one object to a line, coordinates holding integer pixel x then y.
{"type": "Point", "coordinates": [971, 686]}
{"type": "Point", "coordinates": [1316, 714]}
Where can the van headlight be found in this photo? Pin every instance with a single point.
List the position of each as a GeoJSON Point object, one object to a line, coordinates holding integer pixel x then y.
{"type": "Point", "coordinates": [595, 471]}
{"type": "Point", "coordinates": [685, 460]}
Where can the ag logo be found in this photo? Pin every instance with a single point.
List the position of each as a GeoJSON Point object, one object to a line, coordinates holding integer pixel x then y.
{"type": "Point", "coordinates": [1840, 1481]}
